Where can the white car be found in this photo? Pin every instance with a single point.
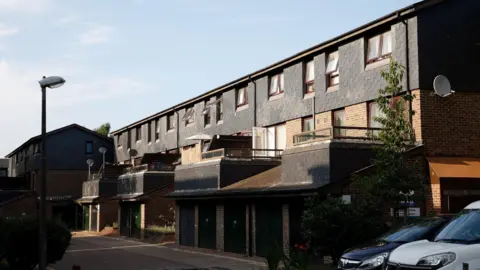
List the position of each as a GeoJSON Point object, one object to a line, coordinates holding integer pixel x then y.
{"type": "Point", "coordinates": [456, 246]}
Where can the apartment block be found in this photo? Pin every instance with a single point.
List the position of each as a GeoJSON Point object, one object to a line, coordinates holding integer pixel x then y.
{"type": "Point", "coordinates": [253, 149]}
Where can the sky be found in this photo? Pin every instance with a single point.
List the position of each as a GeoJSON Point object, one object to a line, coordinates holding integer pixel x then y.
{"type": "Point", "coordinates": [124, 60]}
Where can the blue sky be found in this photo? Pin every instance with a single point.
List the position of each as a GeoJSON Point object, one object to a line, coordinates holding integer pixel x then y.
{"type": "Point", "coordinates": [126, 59]}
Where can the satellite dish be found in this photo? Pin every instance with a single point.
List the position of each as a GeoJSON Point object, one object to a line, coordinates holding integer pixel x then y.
{"type": "Point", "coordinates": [442, 86]}
{"type": "Point", "coordinates": [132, 152]}
{"type": "Point", "coordinates": [102, 150]}
{"type": "Point", "coordinates": [90, 162]}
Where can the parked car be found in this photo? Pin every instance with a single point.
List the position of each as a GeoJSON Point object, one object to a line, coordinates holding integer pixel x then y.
{"type": "Point", "coordinates": [457, 244]}
{"type": "Point", "coordinates": [373, 254]}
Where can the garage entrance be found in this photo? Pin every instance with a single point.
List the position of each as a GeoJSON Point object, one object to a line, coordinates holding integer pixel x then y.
{"type": "Point", "coordinates": [187, 225]}
{"type": "Point", "coordinates": [207, 222]}
{"type": "Point", "coordinates": [130, 219]}
{"type": "Point", "coordinates": [235, 228]}
{"type": "Point", "coordinates": [268, 227]}
{"type": "Point", "coordinates": [94, 225]}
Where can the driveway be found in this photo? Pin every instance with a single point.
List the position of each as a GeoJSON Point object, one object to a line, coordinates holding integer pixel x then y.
{"type": "Point", "coordinates": [106, 253]}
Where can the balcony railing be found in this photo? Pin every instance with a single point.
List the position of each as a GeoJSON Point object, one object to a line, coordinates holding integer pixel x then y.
{"type": "Point", "coordinates": [337, 133]}
{"type": "Point", "coordinates": [243, 153]}
{"type": "Point", "coordinates": [150, 167]}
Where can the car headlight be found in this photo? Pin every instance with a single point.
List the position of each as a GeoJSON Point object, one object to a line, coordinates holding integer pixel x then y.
{"type": "Point", "coordinates": [374, 261]}
{"type": "Point", "coordinates": [437, 260]}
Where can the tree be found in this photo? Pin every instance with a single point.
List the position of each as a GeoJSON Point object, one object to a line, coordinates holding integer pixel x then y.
{"type": "Point", "coordinates": [330, 226]}
{"type": "Point", "coordinates": [103, 129]}
{"type": "Point", "coordinates": [396, 179]}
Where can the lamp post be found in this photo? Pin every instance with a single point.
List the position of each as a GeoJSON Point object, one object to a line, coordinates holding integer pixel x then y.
{"type": "Point", "coordinates": [46, 82]}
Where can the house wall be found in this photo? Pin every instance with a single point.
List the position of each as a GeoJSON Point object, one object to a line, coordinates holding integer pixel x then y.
{"type": "Point", "coordinates": [62, 182]}
{"type": "Point", "coordinates": [108, 214]}
{"type": "Point", "coordinates": [450, 47]}
{"type": "Point", "coordinates": [24, 206]}
{"type": "Point", "coordinates": [191, 154]}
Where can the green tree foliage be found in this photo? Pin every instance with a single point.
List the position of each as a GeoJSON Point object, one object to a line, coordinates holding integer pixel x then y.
{"type": "Point", "coordinates": [103, 129]}
{"type": "Point", "coordinates": [395, 180]}
{"type": "Point", "coordinates": [330, 226]}
{"type": "Point", "coordinates": [19, 242]}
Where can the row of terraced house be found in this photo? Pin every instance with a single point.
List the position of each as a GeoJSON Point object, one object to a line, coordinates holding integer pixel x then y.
{"type": "Point", "coordinates": [233, 165]}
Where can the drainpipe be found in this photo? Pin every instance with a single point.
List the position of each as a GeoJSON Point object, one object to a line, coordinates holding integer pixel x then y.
{"type": "Point", "coordinates": [313, 110]}
{"type": "Point", "coordinates": [177, 127]}
{"type": "Point", "coordinates": [254, 101]}
{"type": "Point", "coordinates": [407, 65]}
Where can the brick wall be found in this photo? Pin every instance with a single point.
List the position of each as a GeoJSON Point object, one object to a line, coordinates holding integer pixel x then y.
{"type": "Point", "coordinates": [63, 182]}
{"type": "Point", "coordinates": [23, 206]}
{"type": "Point", "coordinates": [293, 127]}
{"type": "Point", "coordinates": [356, 116]}
{"type": "Point", "coordinates": [449, 125]}
{"type": "Point", "coordinates": [417, 117]}
{"type": "Point", "coordinates": [158, 209]}
{"type": "Point", "coordinates": [220, 228]}
{"type": "Point", "coordinates": [323, 120]}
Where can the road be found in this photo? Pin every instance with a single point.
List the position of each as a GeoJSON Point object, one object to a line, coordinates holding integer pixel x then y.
{"type": "Point", "coordinates": [106, 253]}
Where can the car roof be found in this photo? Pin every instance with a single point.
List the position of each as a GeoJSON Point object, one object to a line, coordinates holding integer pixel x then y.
{"type": "Point", "coordinates": [474, 205]}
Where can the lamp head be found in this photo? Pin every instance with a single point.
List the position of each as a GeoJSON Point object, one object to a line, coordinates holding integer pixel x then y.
{"type": "Point", "coordinates": [102, 150]}
{"type": "Point", "coordinates": [51, 82]}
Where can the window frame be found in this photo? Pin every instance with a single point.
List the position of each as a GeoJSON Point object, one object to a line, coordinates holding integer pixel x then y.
{"type": "Point", "coordinates": [304, 120]}
{"type": "Point", "coordinates": [341, 133]}
{"type": "Point", "coordinates": [311, 82]}
{"type": "Point", "coordinates": [380, 55]}
{"type": "Point", "coordinates": [119, 144]}
{"type": "Point", "coordinates": [86, 148]}
{"type": "Point", "coordinates": [245, 97]}
{"type": "Point", "coordinates": [207, 117]}
{"type": "Point", "coordinates": [170, 122]}
{"type": "Point", "coordinates": [331, 75]}
{"type": "Point", "coordinates": [157, 129]}
{"type": "Point", "coordinates": [219, 109]}
{"type": "Point", "coordinates": [138, 133]}
{"type": "Point", "coordinates": [279, 82]}
{"type": "Point", "coordinates": [191, 119]}
{"type": "Point", "coordinates": [149, 132]}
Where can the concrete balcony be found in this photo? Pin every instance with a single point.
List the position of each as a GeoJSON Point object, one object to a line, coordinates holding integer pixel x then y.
{"type": "Point", "coordinates": [144, 178]}
{"type": "Point", "coordinates": [222, 167]}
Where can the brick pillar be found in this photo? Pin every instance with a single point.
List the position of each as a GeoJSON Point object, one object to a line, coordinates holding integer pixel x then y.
{"type": "Point", "coordinates": [254, 238]}
{"type": "Point", "coordinates": [286, 228]}
{"type": "Point", "coordinates": [196, 225]}
{"type": "Point", "coordinates": [220, 228]}
{"type": "Point", "coordinates": [247, 230]}
{"type": "Point", "coordinates": [177, 224]}
{"type": "Point", "coordinates": [142, 221]}
{"type": "Point", "coordinates": [119, 217]}
{"type": "Point", "coordinates": [98, 218]}
{"type": "Point", "coordinates": [434, 204]}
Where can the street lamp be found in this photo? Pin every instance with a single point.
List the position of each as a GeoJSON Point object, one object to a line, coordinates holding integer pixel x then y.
{"type": "Point", "coordinates": [103, 150]}
{"type": "Point", "coordinates": [50, 82]}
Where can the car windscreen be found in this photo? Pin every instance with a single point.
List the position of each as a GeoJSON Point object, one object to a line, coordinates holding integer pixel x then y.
{"type": "Point", "coordinates": [464, 228]}
{"type": "Point", "coordinates": [412, 231]}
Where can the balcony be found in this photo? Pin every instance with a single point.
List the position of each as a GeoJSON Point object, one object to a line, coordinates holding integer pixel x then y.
{"type": "Point", "coordinates": [143, 178]}
{"type": "Point", "coordinates": [155, 167]}
{"type": "Point", "coordinates": [242, 153]}
{"type": "Point", "coordinates": [337, 133]}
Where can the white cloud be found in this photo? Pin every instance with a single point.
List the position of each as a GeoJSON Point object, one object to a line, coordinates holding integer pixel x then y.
{"type": "Point", "coordinates": [96, 34]}
{"type": "Point", "coordinates": [6, 30]}
{"type": "Point", "coordinates": [25, 6]}
{"type": "Point", "coordinates": [20, 97]}
{"type": "Point", "coordinates": [66, 20]}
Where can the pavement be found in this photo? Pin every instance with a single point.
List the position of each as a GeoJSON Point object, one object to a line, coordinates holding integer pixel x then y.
{"type": "Point", "coordinates": [109, 253]}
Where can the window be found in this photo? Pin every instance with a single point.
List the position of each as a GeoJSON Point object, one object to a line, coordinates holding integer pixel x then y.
{"type": "Point", "coordinates": [309, 77]}
{"type": "Point", "coordinates": [276, 138]}
{"type": "Point", "coordinates": [379, 47]}
{"type": "Point", "coordinates": [189, 116]}
{"type": "Point", "coordinates": [157, 129]}
{"type": "Point", "coordinates": [338, 120]}
{"type": "Point", "coordinates": [3, 172]}
{"type": "Point", "coordinates": [207, 117]}
{"type": "Point", "coordinates": [129, 138]}
{"type": "Point", "coordinates": [219, 109]}
{"type": "Point", "coordinates": [374, 111]}
{"type": "Point", "coordinates": [118, 137]}
{"type": "Point", "coordinates": [170, 121]}
{"type": "Point", "coordinates": [276, 84]}
{"type": "Point", "coordinates": [149, 130]}
{"type": "Point", "coordinates": [138, 133]}
{"type": "Point", "coordinates": [307, 124]}
{"type": "Point", "coordinates": [333, 76]}
{"type": "Point", "coordinates": [242, 97]}
{"type": "Point", "coordinates": [89, 147]}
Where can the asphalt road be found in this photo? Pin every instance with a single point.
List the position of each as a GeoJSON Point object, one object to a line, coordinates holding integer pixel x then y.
{"type": "Point", "coordinates": [105, 253]}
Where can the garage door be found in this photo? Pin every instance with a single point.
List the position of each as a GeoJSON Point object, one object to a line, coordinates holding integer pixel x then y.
{"type": "Point", "coordinates": [187, 225]}
{"type": "Point", "coordinates": [130, 219]}
{"type": "Point", "coordinates": [234, 225]}
{"type": "Point", "coordinates": [207, 226]}
{"type": "Point", "coordinates": [268, 225]}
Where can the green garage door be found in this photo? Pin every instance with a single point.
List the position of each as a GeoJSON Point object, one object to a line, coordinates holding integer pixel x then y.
{"type": "Point", "coordinates": [268, 224]}
{"type": "Point", "coordinates": [86, 217]}
{"type": "Point", "coordinates": [234, 221]}
{"type": "Point", "coordinates": [187, 225]}
{"type": "Point", "coordinates": [130, 219]}
{"type": "Point", "coordinates": [207, 214]}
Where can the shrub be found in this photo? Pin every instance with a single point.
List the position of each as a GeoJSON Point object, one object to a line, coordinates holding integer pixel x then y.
{"type": "Point", "coordinates": [19, 242]}
{"type": "Point", "coordinates": [330, 226]}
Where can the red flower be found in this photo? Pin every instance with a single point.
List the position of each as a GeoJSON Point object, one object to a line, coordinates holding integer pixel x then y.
{"type": "Point", "coordinates": [296, 245]}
